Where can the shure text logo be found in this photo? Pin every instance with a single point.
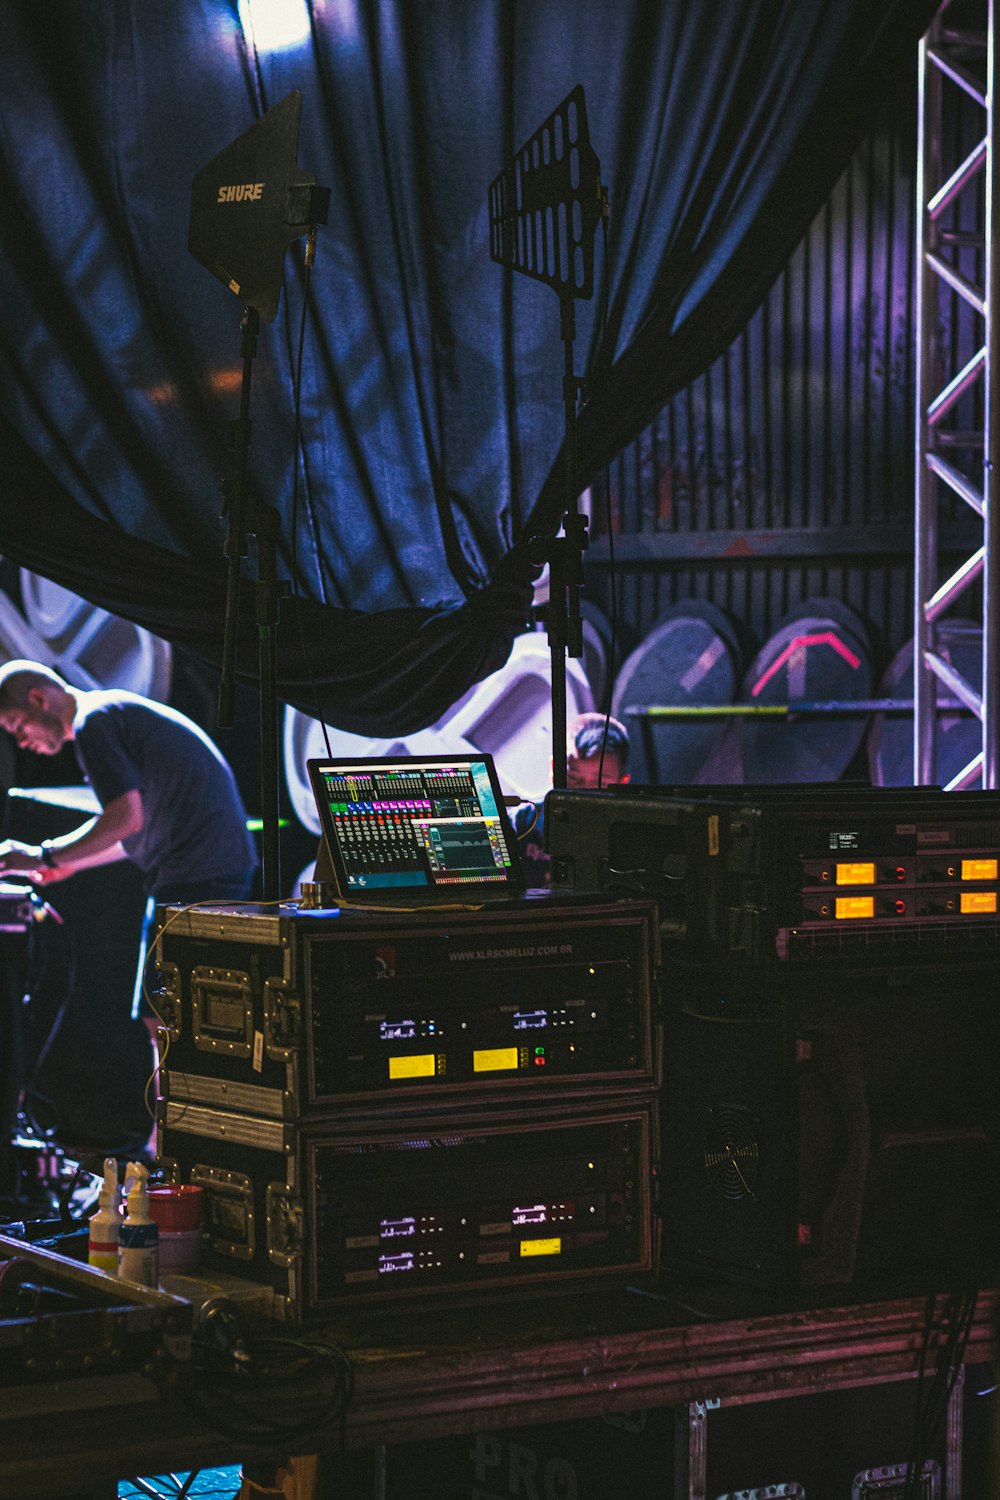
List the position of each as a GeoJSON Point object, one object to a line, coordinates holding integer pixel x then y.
{"type": "Point", "coordinates": [240, 192]}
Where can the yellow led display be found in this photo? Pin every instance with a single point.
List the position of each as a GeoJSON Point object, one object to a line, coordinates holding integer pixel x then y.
{"type": "Point", "coordinates": [973, 901]}
{"type": "Point", "coordinates": [494, 1059]}
{"type": "Point", "coordinates": [541, 1247]}
{"type": "Point", "coordinates": [858, 874]}
{"type": "Point", "coordinates": [853, 907]}
{"type": "Point", "coordinates": [412, 1067]}
{"type": "Point", "coordinates": [979, 869]}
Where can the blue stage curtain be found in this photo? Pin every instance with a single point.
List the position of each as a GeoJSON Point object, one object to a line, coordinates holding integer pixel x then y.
{"type": "Point", "coordinates": [431, 417]}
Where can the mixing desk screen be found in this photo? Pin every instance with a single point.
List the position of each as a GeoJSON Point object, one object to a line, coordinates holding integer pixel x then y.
{"type": "Point", "coordinates": [416, 825]}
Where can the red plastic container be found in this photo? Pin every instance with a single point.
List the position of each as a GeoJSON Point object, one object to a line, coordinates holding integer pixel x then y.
{"type": "Point", "coordinates": [176, 1209]}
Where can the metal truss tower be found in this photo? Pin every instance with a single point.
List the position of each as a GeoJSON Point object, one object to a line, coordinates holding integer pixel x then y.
{"type": "Point", "coordinates": [958, 359]}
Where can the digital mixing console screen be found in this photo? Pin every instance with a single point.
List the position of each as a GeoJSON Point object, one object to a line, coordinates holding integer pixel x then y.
{"type": "Point", "coordinates": [416, 825]}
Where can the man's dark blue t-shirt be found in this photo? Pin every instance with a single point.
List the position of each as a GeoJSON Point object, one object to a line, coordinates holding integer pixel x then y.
{"type": "Point", "coordinates": [194, 822]}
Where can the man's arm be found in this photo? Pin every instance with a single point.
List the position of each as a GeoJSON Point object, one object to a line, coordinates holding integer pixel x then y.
{"type": "Point", "coordinates": [98, 841]}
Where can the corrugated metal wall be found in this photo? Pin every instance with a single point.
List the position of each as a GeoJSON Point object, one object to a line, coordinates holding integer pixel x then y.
{"type": "Point", "coordinates": [785, 473]}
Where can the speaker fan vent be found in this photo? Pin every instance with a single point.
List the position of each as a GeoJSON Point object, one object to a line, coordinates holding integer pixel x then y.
{"type": "Point", "coordinates": [731, 1151]}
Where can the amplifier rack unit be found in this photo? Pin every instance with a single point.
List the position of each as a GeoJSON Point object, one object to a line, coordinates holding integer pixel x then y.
{"type": "Point", "coordinates": [799, 874]}
{"type": "Point", "coordinates": [331, 1214]}
{"type": "Point", "coordinates": [291, 1015]}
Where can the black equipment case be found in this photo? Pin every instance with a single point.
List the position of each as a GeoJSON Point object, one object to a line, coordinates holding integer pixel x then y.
{"type": "Point", "coordinates": [822, 1127]}
{"type": "Point", "coordinates": [72, 1338]}
{"type": "Point", "coordinates": [382, 1105]}
{"type": "Point", "coordinates": [345, 1212]}
{"type": "Point", "coordinates": [796, 874]}
{"type": "Point", "coordinates": [287, 1014]}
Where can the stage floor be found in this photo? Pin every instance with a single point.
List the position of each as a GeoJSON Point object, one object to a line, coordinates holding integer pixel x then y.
{"type": "Point", "coordinates": [462, 1369]}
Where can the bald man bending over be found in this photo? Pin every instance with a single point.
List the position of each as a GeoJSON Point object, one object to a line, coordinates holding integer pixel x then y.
{"type": "Point", "coordinates": [169, 802]}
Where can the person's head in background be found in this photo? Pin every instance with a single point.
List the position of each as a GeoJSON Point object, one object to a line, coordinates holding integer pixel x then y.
{"type": "Point", "coordinates": [586, 736]}
{"type": "Point", "coordinates": [37, 707]}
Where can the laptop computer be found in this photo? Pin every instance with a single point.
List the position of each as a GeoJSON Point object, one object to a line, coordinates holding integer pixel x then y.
{"type": "Point", "coordinates": [411, 830]}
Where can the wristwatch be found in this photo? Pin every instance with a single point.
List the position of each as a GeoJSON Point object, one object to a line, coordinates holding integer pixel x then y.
{"type": "Point", "coordinates": [46, 856]}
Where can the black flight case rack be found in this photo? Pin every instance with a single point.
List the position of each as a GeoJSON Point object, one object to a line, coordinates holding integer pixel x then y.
{"type": "Point", "coordinates": [803, 875]}
{"type": "Point", "coordinates": [381, 1105]}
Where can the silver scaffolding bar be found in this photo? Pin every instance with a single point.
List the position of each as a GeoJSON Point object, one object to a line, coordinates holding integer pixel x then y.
{"type": "Point", "coordinates": [957, 60]}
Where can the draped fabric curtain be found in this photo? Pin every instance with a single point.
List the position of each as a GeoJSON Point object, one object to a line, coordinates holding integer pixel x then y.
{"type": "Point", "coordinates": [425, 448]}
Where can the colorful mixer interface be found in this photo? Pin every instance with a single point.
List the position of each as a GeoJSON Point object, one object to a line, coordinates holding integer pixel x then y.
{"type": "Point", "coordinates": [413, 825]}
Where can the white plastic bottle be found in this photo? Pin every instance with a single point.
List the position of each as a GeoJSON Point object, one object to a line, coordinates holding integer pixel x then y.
{"type": "Point", "coordinates": [138, 1237]}
{"type": "Point", "coordinates": [102, 1241]}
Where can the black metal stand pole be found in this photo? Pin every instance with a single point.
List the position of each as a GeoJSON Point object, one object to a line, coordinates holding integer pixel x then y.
{"type": "Point", "coordinates": [544, 208]}
{"type": "Point", "coordinates": [262, 523]}
{"type": "Point", "coordinates": [565, 629]}
{"type": "Point", "coordinates": [234, 508]}
{"type": "Point", "coordinates": [268, 595]}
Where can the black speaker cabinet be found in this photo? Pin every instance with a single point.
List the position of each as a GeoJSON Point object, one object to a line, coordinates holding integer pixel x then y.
{"type": "Point", "coordinates": [85, 1062]}
{"type": "Point", "coordinates": [831, 1128]}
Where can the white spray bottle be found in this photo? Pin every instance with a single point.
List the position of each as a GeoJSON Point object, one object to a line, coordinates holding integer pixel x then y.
{"type": "Point", "coordinates": [138, 1237]}
{"type": "Point", "coordinates": [102, 1241]}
